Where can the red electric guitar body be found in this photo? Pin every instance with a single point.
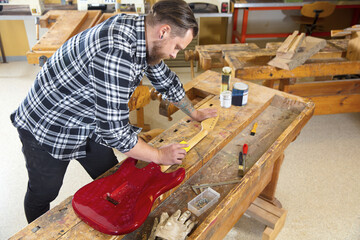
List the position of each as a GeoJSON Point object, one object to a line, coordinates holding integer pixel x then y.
{"type": "Point", "coordinates": [120, 203]}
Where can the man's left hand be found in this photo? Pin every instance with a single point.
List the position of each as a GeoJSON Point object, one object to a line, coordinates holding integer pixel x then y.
{"type": "Point", "coordinates": [202, 114]}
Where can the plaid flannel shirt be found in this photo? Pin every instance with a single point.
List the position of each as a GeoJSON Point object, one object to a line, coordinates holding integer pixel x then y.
{"type": "Point", "coordinates": [83, 89]}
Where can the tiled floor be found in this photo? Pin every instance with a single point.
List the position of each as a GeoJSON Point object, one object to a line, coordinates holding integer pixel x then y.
{"type": "Point", "coordinates": [319, 182]}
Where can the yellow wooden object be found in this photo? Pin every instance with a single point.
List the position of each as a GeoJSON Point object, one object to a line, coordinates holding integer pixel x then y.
{"type": "Point", "coordinates": [14, 38]}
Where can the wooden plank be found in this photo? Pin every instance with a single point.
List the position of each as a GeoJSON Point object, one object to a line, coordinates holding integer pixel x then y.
{"type": "Point", "coordinates": [310, 46]}
{"type": "Point", "coordinates": [325, 88]}
{"type": "Point", "coordinates": [225, 47]}
{"type": "Point", "coordinates": [336, 104]}
{"type": "Point", "coordinates": [335, 48]}
{"type": "Point", "coordinates": [305, 70]}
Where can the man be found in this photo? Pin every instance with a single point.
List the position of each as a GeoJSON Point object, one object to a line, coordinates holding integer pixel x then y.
{"type": "Point", "coordinates": [78, 105]}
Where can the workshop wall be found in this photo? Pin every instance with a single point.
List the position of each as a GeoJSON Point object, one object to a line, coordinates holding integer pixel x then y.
{"type": "Point", "coordinates": [213, 30]}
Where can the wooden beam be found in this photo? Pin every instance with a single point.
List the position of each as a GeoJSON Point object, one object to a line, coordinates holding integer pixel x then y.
{"type": "Point", "coordinates": [336, 104]}
{"type": "Point", "coordinates": [325, 88]}
{"type": "Point", "coordinates": [306, 70]}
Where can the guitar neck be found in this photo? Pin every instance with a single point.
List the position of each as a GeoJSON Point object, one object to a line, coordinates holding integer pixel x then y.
{"type": "Point", "coordinates": [192, 142]}
{"type": "Point", "coordinates": [197, 138]}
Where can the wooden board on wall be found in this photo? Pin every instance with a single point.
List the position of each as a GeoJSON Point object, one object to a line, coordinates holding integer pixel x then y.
{"type": "Point", "coordinates": [15, 43]}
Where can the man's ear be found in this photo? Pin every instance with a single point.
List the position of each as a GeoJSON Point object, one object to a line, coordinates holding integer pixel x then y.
{"type": "Point", "coordinates": [164, 31]}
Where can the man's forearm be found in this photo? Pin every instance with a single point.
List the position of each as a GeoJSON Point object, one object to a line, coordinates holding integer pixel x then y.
{"type": "Point", "coordinates": [143, 151]}
{"type": "Point", "coordinates": [186, 106]}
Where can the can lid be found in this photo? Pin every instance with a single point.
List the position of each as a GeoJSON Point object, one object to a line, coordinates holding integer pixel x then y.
{"type": "Point", "coordinates": [226, 70]}
{"type": "Point", "coordinates": [240, 86]}
{"type": "Point", "coordinates": [226, 93]}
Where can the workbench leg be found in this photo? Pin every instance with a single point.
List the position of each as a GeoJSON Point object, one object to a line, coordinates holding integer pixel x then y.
{"type": "Point", "coordinates": [268, 193]}
{"type": "Point", "coordinates": [269, 83]}
{"type": "Point", "coordinates": [140, 120]}
{"type": "Point", "coordinates": [284, 83]}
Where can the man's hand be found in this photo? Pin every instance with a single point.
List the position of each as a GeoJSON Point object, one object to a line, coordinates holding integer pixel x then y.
{"type": "Point", "coordinates": [171, 154]}
{"type": "Point", "coordinates": [166, 155]}
{"type": "Point", "coordinates": [198, 115]}
{"type": "Point", "coordinates": [205, 113]}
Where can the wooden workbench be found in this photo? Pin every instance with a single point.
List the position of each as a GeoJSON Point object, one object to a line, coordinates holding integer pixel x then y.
{"type": "Point", "coordinates": [62, 25]}
{"type": "Point", "coordinates": [329, 94]}
{"type": "Point", "coordinates": [280, 117]}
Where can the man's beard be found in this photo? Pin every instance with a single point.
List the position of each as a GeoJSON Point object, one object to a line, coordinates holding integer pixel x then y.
{"type": "Point", "coordinates": [154, 56]}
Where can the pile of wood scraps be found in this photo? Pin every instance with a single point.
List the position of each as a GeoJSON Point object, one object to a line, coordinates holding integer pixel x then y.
{"type": "Point", "coordinates": [295, 50]}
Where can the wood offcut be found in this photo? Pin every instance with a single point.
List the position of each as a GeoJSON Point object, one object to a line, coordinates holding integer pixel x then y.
{"type": "Point", "coordinates": [295, 50]}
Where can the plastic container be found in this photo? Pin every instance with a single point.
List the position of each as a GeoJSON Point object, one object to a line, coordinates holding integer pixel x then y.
{"type": "Point", "coordinates": [203, 201]}
{"type": "Point", "coordinates": [225, 99]}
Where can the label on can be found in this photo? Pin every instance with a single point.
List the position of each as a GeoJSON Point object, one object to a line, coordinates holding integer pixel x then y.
{"type": "Point", "coordinates": [225, 79]}
{"type": "Point", "coordinates": [240, 94]}
{"type": "Point", "coordinates": [225, 99]}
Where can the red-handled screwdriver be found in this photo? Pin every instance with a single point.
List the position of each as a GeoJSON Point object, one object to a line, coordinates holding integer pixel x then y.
{"type": "Point", "coordinates": [245, 151]}
{"type": "Point", "coordinates": [242, 155]}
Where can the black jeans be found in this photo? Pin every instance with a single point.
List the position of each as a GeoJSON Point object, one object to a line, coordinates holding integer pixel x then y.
{"type": "Point", "coordinates": [46, 173]}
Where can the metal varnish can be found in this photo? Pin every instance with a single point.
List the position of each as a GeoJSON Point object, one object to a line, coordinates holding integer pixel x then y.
{"type": "Point", "coordinates": [240, 94]}
{"type": "Point", "coordinates": [225, 99]}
